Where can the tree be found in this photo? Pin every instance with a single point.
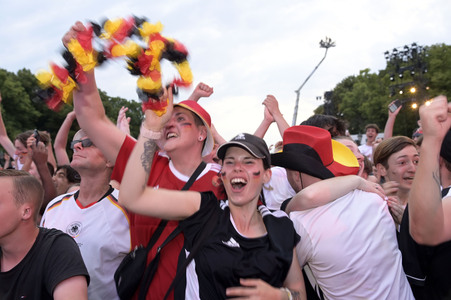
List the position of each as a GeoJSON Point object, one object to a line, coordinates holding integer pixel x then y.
{"type": "Point", "coordinates": [439, 69]}
{"type": "Point", "coordinates": [358, 99]}
{"type": "Point", "coordinates": [19, 113]}
{"type": "Point", "coordinates": [22, 111]}
{"type": "Point", "coordinates": [364, 98]}
{"type": "Point", "coordinates": [113, 105]}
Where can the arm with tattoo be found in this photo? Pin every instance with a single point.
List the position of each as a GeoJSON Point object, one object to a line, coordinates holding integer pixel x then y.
{"type": "Point", "coordinates": [429, 216]}
{"type": "Point", "coordinates": [134, 193]}
{"type": "Point", "coordinates": [150, 147]}
{"type": "Point", "coordinates": [137, 171]}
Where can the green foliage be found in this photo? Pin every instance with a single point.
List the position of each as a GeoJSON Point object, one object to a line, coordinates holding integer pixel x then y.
{"type": "Point", "coordinates": [113, 105]}
{"type": "Point", "coordinates": [439, 71]}
{"type": "Point", "coordinates": [364, 98]}
{"type": "Point", "coordinates": [21, 111]}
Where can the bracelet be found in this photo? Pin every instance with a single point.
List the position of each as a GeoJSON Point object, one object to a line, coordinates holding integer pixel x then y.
{"type": "Point", "coordinates": [149, 134]}
{"type": "Point", "coordinates": [286, 290]}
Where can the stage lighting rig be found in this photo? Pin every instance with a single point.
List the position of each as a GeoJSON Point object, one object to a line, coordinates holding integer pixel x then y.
{"type": "Point", "coordinates": [406, 66]}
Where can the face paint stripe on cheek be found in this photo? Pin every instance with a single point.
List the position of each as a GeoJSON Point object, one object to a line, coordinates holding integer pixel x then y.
{"type": "Point", "coordinates": [223, 173]}
{"type": "Point", "coordinates": [256, 174]}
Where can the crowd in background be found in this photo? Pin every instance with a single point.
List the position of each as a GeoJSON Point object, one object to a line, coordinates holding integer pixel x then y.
{"type": "Point", "coordinates": [316, 217]}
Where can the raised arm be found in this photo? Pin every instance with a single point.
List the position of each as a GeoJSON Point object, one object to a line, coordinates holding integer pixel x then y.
{"type": "Point", "coordinates": [264, 125]}
{"type": "Point", "coordinates": [39, 155]}
{"type": "Point", "coordinates": [429, 216]}
{"type": "Point", "coordinates": [28, 160]}
{"type": "Point", "coordinates": [201, 91]}
{"type": "Point", "coordinates": [6, 143]}
{"type": "Point", "coordinates": [272, 114]}
{"type": "Point", "coordinates": [61, 140]}
{"type": "Point", "coordinates": [135, 195]}
{"type": "Point", "coordinates": [123, 122]}
{"type": "Point", "coordinates": [90, 111]}
{"type": "Point", "coordinates": [216, 136]}
{"type": "Point", "coordinates": [273, 107]}
{"type": "Point", "coordinates": [7, 160]}
{"type": "Point", "coordinates": [50, 155]}
{"type": "Point", "coordinates": [390, 124]}
{"type": "Point", "coordinates": [325, 191]}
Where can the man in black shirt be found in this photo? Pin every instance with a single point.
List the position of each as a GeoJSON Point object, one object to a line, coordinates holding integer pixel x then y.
{"type": "Point", "coordinates": [425, 236]}
{"type": "Point", "coordinates": [35, 263]}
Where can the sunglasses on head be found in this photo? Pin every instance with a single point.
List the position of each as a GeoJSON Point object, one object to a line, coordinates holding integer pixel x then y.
{"type": "Point", "coordinates": [85, 143]}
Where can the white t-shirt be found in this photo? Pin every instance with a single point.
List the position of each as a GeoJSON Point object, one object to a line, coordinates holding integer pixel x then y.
{"type": "Point", "coordinates": [18, 164]}
{"type": "Point", "coordinates": [351, 247]}
{"type": "Point", "coordinates": [367, 151]}
{"type": "Point", "coordinates": [102, 232]}
{"type": "Point", "coordinates": [278, 189]}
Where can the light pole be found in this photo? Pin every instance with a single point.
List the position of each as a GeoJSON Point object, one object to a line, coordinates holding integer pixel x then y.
{"type": "Point", "coordinates": [322, 44]}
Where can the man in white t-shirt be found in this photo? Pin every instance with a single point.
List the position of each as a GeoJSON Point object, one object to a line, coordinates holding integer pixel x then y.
{"type": "Point", "coordinates": [278, 189]}
{"type": "Point", "coordinates": [371, 132]}
{"type": "Point", "coordinates": [92, 216]}
{"type": "Point", "coordinates": [349, 244]}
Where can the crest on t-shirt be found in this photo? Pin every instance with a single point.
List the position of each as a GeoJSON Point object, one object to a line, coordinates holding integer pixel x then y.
{"type": "Point", "coordinates": [74, 229]}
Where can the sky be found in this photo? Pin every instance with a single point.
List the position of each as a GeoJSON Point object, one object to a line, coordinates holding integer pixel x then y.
{"type": "Point", "coordinates": [244, 49]}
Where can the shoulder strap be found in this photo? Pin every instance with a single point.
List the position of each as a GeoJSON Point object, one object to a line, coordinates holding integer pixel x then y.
{"type": "Point", "coordinates": [152, 267]}
{"type": "Point", "coordinates": [156, 235]}
{"type": "Point", "coordinates": [193, 177]}
{"type": "Point", "coordinates": [163, 223]}
{"type": "Point", "coordinates": [206, 232]}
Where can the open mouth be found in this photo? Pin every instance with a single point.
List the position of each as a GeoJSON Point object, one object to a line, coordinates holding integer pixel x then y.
{"type": "Point", "coordinates": [238, 183]}
{"type": "Point", "coordinates": [171, 135]}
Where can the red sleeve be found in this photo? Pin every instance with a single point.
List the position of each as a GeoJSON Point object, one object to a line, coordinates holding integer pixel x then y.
{"type": "Point", "coordinates": [122, 158]}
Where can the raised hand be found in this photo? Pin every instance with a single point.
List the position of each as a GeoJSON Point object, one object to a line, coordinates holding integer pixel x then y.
{"type": "Point", "coordinates": [201, 91]}
{"type": "Point", "coordinates": [153, 121]}
{"type": "Point", "coordinates": [435, 118]}
{"type": "Point", "coordinates": [123, 122]}
{"type": "Point", "coordinates": [72, 33]}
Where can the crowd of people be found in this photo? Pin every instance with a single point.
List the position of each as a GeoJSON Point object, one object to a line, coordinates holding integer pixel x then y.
{"type": "Point", "coordinates": [318, 218]}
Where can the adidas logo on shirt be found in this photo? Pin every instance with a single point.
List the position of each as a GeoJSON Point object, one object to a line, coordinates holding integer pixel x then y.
{"type": "Point", "coordinates": [231, 243]}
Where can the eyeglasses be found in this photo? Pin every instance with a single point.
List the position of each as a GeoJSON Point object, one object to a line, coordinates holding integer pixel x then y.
{"type": "Point", "coordinates": [85, 143]}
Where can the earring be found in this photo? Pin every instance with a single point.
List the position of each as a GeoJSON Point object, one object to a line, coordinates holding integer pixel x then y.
{"type": "Point", "coordinates": [200, 139]}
